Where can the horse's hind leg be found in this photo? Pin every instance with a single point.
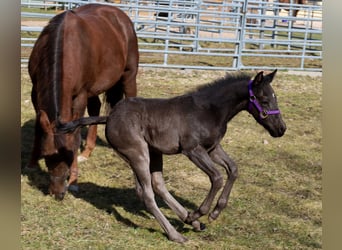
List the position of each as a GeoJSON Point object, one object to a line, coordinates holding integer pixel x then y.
{"type": "Point", "coordinates": [128, 78]}
{"type": "Point", "coordinates": [156, 168]}
{"type": "Point", "coordinates": [220, 157]}
{"type": "Point", "coordinates": [139, 162]}
{"type": "Point", "coordinates": [93, 106]}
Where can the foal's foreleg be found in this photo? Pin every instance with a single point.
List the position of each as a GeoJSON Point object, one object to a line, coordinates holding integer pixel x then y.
{"type": "Point", "coordinates": [221, 158]}
{"type": "Point", "coordinates": [200, 158]}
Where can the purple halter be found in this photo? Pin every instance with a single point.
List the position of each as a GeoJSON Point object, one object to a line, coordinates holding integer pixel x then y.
{"type": "Point", "coordinates": [263, 113]}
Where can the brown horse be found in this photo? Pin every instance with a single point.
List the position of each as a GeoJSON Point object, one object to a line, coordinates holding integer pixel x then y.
{"type": "Point", "coordinates": [80, 54]}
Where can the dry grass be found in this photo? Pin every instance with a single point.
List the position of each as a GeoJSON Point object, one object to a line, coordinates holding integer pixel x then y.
{"type": "Point", "coordinates": [276, 202]}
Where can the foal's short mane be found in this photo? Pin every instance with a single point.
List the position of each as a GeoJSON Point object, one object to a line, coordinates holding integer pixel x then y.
{"type": "Point", "coordinates": [221, 83]}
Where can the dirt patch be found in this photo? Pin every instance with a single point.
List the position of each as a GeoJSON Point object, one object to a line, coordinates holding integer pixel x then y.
{"type": "Point", "coordinates": [34, 23]}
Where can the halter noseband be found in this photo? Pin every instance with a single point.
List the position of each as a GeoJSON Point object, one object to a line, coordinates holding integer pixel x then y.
{"type": "Point", "coordinates": [263, 113]}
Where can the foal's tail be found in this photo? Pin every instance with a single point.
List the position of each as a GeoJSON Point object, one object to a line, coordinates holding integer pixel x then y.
{"type": "Point", "coordinates": [84, 121]}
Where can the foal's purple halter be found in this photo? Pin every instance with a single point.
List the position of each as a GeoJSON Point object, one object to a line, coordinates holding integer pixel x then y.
{"type": "Point", "coordinates": [263, 113]}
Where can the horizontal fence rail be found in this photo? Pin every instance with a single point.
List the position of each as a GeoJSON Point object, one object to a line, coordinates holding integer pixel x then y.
{"type": "Point", "coordinates": [225, 35]}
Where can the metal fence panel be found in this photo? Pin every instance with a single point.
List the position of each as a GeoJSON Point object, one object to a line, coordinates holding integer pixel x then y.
{"type": "Point", "coordinates": [228, 35]}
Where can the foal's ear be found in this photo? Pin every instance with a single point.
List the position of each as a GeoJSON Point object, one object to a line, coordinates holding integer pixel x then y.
{"type": "Point", "coordinates": [258, 79]}
{"type": "Point", "coordinates": [44, 122]}
{"type": "Point", "coordinates": [269, 77]}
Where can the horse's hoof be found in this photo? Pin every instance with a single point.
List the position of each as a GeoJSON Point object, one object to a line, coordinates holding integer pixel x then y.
{"type": "Point", "coordinates": [202, 226]}
{"type": "Point", "coordinates": [212, 217]}
{"type": "Point", "coordinates": [73, 188]}
{"type": "Point", "coordinates": [198, 226]}
{"type": "Point", "coordinates": [178, 238]}
{"type": "Point", "coordinates": [81, 158]}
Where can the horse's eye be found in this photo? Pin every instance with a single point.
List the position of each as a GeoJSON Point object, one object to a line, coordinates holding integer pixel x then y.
{"type": "Point", "coordinates": [264, 101]}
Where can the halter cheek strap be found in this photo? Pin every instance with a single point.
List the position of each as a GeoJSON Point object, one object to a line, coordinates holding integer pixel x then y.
{"type": "Point", "coordinates": [263, 113]}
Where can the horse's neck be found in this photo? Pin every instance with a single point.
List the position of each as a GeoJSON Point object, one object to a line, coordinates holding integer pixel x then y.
{"type": "Point", "coordinates": [228, 101]}
{"type": "Point", "coordinates": [234, 105]}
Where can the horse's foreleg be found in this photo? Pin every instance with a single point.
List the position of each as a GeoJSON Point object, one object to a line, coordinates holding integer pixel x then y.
{"type": "Point", "coordinates": [93, 106]}
{"type": "Point", "coordinates": [221, 158]}
{"type": "Point", "coordinates": [78, 108]}
{"type": "Point", "coordinates": [72, 183]}
{"type": "Point", "coordinates": [200, 158]}
{"type": "Point", "coordinates": [158, 184]}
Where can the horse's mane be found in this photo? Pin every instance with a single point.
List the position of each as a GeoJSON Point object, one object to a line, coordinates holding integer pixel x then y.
{"type": "Point", "coordinates": [48, 70]}
{"type": "Point", "coordinates": [219, 84]}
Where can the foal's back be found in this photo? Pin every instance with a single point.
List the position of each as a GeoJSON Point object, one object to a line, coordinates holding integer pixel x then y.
{"type": "Point", "coordinates": [166, 125]}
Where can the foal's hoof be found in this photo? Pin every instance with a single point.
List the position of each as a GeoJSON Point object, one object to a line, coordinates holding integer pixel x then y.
{"type": "Point", "coordinates": [213, 216]}
{"type": "Point", "coordinates": [178, 238]}
{"type": "Point", "coordinates": [198, 226]}
{"type": "Point", "coordinates": [81, 158]}
{"type": "Point", "coordinates": [73, 188]}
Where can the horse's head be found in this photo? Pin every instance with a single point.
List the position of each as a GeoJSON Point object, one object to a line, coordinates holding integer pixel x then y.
{"type": "Point", "coordinates": [263, 104]}
{"type": "Point", "coordinates": [57, 150]}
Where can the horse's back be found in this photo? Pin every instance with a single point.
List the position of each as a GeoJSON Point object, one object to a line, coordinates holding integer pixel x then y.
{"type": "Point", "coordinates": [97, 45]}
{"type": "Point", "coordinates": [104, 43]}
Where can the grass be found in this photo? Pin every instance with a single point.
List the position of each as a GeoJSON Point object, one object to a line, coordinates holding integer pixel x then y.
{"type": "Point", "coordinates": [276, 202]}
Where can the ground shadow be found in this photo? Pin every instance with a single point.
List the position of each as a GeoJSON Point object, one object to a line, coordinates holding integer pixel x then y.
{"type": "Point", "coordinates": [38, 177]}
{"type": "Point", "coordinates": [108, 198]}
{"type": "Point", "coordinates": [104, 198]}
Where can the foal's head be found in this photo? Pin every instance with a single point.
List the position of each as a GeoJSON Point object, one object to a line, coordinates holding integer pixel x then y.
{"type": "Point", "coordinates": [263, 104]}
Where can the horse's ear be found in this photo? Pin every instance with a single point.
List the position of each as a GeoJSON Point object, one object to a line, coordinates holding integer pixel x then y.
{"type": "Point", "coordinates": [269, 77]}
{"type": "Point", "coordinates": [44, 122]}
{"type": "Point", "coordinates": [258, 79]}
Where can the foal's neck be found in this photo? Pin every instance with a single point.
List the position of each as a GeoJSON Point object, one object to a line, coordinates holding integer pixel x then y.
{"type": "Point", "coordinates": [234, 99]}
{"type": "Point", "coordinates": [227, 99]}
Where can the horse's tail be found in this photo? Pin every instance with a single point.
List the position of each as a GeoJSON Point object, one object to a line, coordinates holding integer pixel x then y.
{"type": "Point", "coordinates": [84, 121]}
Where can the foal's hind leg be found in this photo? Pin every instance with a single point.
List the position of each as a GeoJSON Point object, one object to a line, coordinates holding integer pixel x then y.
{"type": "Point", "coordinates": [139, 162]}
{"type": "Point", "coordinates": [93, 106]}
{"type": "Point", "coordinates": [220, 157]}
{"type": "Point", "coordinates": [156, 168]}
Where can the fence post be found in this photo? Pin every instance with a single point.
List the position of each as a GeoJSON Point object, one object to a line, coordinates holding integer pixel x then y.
{"type": "Point", "coordinates": [197, 26]}
{"type": "Point", "coordinates": [241, 36]}
{"type": "Point", "coordinates": [262, 24]}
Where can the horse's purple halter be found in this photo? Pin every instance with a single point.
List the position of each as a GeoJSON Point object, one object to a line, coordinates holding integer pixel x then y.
{"type": "Point", "coordinates": [253, 101]}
